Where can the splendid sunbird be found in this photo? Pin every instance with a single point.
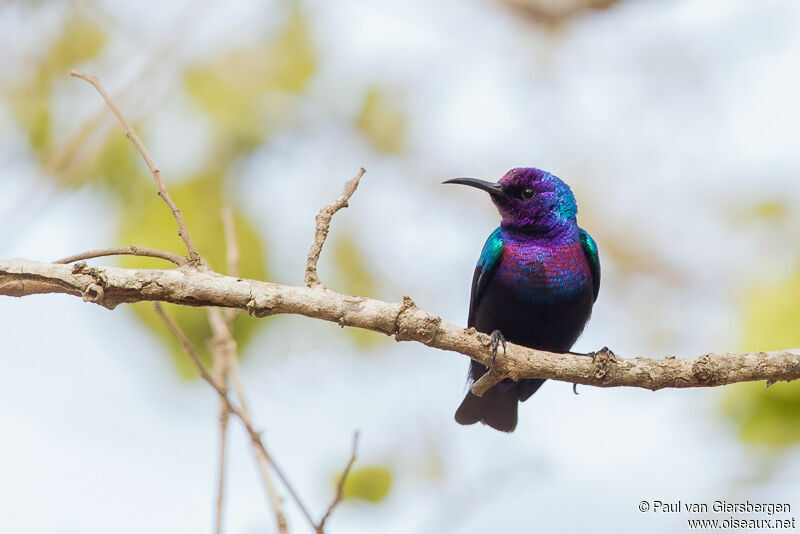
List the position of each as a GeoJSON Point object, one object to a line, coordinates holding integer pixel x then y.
{"type": "Point", "coordinates": [535, 283]}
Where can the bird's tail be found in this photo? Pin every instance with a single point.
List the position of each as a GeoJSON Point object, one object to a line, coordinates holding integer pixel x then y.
{"type": "Point", "coordinates": [497, 408]}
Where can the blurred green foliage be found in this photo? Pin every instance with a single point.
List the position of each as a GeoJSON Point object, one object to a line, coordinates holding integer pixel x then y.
{"type": "Point", "coordinates": [110, 163]}
{"type": "Point", "coordinates": [240, 91]}
{"type": "Point", "coordinates": [371, 483]}
{"type": "Point", "coordinates": [247, 93]}
{"type": "Point", "coordinates": [79, 39]}
{"type": "Point", "coordinates": [382, 120]}
{"type": "Point", "coordinates": [32, 110]}
{"type": "Point", "coordinates": [353, 276]}
{"type": "Point", "coordinates": [765, 210]}
{"type": "Point", "coordinates": [769, 416]}
{"type": "Point", "coordinates": [201, 199]}
{"type": "Point", "coordinates": [770, 209]}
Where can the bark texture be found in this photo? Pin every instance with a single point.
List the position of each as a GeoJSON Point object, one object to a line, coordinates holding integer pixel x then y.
{"type": "Point", "coordinates": [192, 286]}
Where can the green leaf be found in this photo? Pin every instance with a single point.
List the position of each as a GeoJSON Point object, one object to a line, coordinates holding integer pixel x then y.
{"type": "Point", "coordinates": [371, 483]}
{"type": "Point", "coordinates": [151, 224]}
{"type": "Point", "coordinates": [382, 120]}
{"type": "Point", "coordinates": [769, 416]}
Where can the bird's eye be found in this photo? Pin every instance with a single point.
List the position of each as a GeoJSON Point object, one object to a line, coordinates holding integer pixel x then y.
{"type": "Point", "coordinates": [528, 193]}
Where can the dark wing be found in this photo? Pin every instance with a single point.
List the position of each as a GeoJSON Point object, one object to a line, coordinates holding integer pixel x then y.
{"type": "Point", "coordinates": [487, 263]}
{"type": "Point", "coordinates": [590, 249]}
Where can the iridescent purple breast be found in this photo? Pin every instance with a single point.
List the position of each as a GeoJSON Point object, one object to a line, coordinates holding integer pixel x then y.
{"type": "Point", "coordinates": [543, 271]}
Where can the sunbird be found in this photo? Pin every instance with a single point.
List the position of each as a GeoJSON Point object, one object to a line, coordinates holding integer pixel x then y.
{"type": "Point", "coordinates": [535, 283]}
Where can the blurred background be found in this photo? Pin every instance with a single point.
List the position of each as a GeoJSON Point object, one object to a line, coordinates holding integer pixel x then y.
{"type": "Point", "coordinates": [675, 123]}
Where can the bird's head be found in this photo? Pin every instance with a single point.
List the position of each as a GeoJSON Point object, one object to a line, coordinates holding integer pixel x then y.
{"type": "Point", "coordinates": [529, 199]}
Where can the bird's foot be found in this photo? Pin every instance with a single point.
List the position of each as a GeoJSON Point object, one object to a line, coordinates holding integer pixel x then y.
{"type": "Point", "coordinates": [605, 351]}
{"type": "Point", "coordinates": [497, 339]}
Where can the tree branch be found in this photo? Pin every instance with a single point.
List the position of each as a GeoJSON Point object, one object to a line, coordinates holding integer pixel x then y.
{"type": "Point", "coordinates": [485, 383]}
{"type": "Point", "coordinates": [323, 221]}
{"type": "Point", "coordinates": [193, 284]}
{"type": "Point", "coordinates": [111, 286]}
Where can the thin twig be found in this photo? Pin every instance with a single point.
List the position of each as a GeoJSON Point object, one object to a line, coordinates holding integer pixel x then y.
{"type": "Point", "coordinates": [219, 350]}
{"type": "Point", "coordinates": [177, 33]}
{"type": "Point", "coordinates": [340, 486]}
{"type": "Point", "coordinates": [223, 442]}
{"type": "Point", "coordinates": [187, 345]}
{"type": "Point", "coordinates": [224, 352]}
{"type": "Point", "coordinates": [224, 347]}
{"type": "Point", "coordinates": [323, 223]}
{"type": "Point", "coordinates": [231, 253]}
{"type": "Point", "coordinates": [242, 416]}
{"type": "Point", "coordinates": [276, 502]}
{"type": "Point", "coordinates": [231, 243]}
{"type": "Point", "coordinates": [223, 428]}
{"type": "Point", "coordinates": [194, 257]}
{"type": "Point", "coordinates": [130, 251]}
{"type": "Point", "coordinates": [262, 461]}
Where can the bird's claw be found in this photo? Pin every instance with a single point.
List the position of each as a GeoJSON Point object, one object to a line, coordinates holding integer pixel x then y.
{"type": "Point", "coordinates": [497, 339]}
{"type": "Point", "coordinates": [605, 351]}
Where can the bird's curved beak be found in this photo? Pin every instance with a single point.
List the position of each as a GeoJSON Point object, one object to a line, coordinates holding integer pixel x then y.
{"type": "Point", "coordinates": [490, 187]}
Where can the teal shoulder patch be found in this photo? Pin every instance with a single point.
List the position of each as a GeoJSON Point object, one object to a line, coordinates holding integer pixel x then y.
{"type": "Point", "coordinates": [590, 249]}
{"type": "Point", "coordinates": [491, 252]}
{"type": "Point", "coordinates": [487, 262]}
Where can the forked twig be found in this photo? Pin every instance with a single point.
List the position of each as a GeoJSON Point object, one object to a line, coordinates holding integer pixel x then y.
{"type": "Point", "coordinates": [224, 350]}
{"type": "Point", "coordinates": [340, 486]}
{"type": "Point", "coordinates": [223, 345]}
{"type": "Point", "coordinates": [194, 257]}
{"type": "Point", "coordinates": [244, 417]}
{"type": "Point", "coordinates": [323, 223]}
